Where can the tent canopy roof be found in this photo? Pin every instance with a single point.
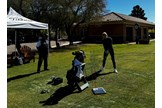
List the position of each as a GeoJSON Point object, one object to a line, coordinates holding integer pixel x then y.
{"type": "Point", "coordinates": [15, 20]}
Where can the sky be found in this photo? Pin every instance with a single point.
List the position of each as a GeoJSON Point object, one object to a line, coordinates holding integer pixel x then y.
{"type": "Point", "coordinates": [126, 7]}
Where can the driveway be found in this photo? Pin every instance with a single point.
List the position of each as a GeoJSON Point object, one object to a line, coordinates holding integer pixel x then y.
{"type": "Point", "coordinates": [11, 48]}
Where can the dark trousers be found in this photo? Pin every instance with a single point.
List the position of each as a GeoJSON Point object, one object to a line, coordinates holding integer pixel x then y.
{"type": "Point", "coordinates": [112, 58]}
{"type": "Point", "coordinates": [41, 58]}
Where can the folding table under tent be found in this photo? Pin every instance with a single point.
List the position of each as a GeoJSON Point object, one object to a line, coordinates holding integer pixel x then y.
{"type": "Point", "coordinates": [15, 20]}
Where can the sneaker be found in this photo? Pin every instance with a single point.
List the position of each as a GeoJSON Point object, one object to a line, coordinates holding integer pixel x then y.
{"type": "Point", "coordinates": [102, 68]}
{"type": "Point", "coordinates": [46, 69]}
{"type": "Point", "coordinates": [38, 71]}
{"type": "Point", "coordinates": [115, 70]}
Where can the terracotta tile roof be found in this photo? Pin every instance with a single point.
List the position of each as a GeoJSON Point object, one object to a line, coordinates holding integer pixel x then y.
{"type": "Point", "coordinates": [121, 17]}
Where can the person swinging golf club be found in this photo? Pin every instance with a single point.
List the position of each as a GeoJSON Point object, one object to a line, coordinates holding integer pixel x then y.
{"type": "Point", "coordinates": [108, 48]}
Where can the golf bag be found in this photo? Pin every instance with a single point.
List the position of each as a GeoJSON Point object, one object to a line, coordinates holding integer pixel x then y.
{"type": "Point", "coordinates": [75, 74]}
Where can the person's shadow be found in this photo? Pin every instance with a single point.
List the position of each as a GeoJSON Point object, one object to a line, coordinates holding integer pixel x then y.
{"type": "Point", "coordinates": [67, 90]}
{"type": "Point", "coordinates": [58, 95]}
{"type": "Point", "coordinates": [96, 74]}
{"type": "Point", "coordinates": [21, 76]}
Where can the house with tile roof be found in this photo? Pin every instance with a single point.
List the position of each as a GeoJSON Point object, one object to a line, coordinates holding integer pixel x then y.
{"type": "Point", "coordinates": [122, 28]}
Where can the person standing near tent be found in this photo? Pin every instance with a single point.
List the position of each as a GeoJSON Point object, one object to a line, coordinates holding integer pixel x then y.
{"type": "Point", "coordinates": [42, 46]}
{"type": "Point", "coordinates": [108, 48]}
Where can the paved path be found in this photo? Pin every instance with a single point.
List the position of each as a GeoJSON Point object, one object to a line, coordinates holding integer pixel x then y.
{"type": "Point", "coordinates": [135, 42]}
{"type": "Point", "coordinates": [11, 48]}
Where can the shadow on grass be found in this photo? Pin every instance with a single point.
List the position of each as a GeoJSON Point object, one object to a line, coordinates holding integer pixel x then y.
{"type": "Point", "coordinates": [55, 81]}
{"type": "Point", "coordinates": [21, 76]}
{"type": "Point", "coordinates": [67, 90]}
{"type": "Point", "coordinates": [96, 74]}
{"type": "Point", "coordinates": [58, 95]}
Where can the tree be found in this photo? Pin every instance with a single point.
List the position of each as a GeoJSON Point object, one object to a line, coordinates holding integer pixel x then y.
{"type": "Point", "coordinates": [56, 18]}
{"type": "Point", "coordinates": [60, 14]}
{"type": "Point", "coordinates": [138, 12]}
{"type": "Point", "coordinates": [79, 11]}
{"type": "Point", "coordinates": [38, 11]}
{"type": "Point", "coordinates": [33, 9]}
{"type": "Point", "coordinates": [21, 6]}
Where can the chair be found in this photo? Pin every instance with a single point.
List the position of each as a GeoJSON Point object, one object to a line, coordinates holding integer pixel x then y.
{"type": "Point", "coordinates": [28, 54]}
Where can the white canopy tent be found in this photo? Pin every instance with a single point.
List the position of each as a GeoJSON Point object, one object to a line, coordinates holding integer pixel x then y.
{"type": "Point", "coordinates": [15, 20]}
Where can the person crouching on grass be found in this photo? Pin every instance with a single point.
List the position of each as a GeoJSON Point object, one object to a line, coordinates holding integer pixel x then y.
{"type": "Point", "coordinates": [108, 48]}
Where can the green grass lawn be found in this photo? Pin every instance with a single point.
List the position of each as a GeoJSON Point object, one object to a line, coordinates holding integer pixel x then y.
{"type": "Point", "coordinates": [132, 87]}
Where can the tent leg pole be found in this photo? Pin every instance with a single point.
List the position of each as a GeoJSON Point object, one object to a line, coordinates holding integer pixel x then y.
{"type": "Point", "coordinates": [48, 40]}
{"type": "Point", "coordinates": [15, 40]}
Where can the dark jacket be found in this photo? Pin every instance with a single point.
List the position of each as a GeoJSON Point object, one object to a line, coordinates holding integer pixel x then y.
{"type": "Point", "coordinates": [43, 48]}
{"type": "Point", "coordinates": [107, 43]}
